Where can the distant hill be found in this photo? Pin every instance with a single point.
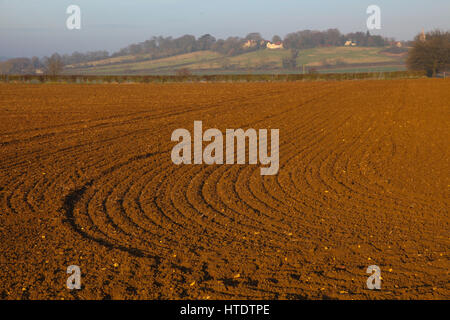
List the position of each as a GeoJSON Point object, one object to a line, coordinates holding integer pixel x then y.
{"type": "Point", "coordinates": [304, 51]}
{"type": "Point", "coordinates": [325, 59]}
{"type": "Point", "coordinates": [2, 58]}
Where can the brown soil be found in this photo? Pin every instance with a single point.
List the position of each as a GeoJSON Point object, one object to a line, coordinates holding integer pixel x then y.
{"type": "Point", "coordinates": [86, 178]}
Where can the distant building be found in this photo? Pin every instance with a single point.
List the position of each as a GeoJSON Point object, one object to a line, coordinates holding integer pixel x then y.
{"type": "Point", "coordinates": [277, 45]}
{"type": "Point", "coordinates": [39, 71]}
{"type": "Point", "coordinates": [422, 36]}
{"type": "Point", "coordinates": [398, 44]}
{"type": "Point", "coordinates": [249, 44]}
{"type": "Point", "coordinates": [350, 43]}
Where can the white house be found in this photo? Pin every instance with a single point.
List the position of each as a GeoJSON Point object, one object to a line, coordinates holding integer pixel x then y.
{"type": "Point", "coordinates": [278, 45]}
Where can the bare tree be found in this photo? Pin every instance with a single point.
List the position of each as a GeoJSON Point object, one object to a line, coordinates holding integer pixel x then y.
{"type": "Point", "coordinates": [290, 62]}
{"type": "Point", "coordinates": [430, 53]}
{"type": "Point", "coordinates": [276, 39]}
{"type": "Point", "coordinates": [54, 65]}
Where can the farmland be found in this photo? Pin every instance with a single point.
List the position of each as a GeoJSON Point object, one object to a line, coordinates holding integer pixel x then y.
{"type": "Point", "coordinates": [86, 179]}
{"type": "Point", "coordinates": [207, 62]}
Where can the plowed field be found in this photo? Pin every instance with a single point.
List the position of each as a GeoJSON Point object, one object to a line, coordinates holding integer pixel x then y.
{"type": "Point", "coordinates": [86, 179]}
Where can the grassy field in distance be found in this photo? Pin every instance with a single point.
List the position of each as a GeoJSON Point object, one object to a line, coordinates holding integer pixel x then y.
{"type": "Point", "coordinates": [326, 59]}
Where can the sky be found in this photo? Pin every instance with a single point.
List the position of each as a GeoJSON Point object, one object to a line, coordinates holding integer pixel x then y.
{"type": "Point", "coordinates": [38, 27]}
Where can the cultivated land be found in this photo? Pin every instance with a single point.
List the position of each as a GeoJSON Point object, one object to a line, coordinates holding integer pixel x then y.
{"type": "Point", "coordinates": [86, 178]}
{"type": "Point", "coordinates": [328, 59]}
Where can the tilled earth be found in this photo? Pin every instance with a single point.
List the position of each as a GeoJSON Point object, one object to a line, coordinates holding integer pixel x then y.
{"type": "Point", "coordinates": [86, 179]}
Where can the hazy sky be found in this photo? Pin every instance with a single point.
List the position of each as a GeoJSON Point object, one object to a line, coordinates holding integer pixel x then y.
{"type": "Point", "coordinates": [38, 27]}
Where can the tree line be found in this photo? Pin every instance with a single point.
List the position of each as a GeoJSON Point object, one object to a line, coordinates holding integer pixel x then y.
{"type": "Point", "coordinates": [161, 47]}
{"type": "Point", "coordinates": [431, 54]}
